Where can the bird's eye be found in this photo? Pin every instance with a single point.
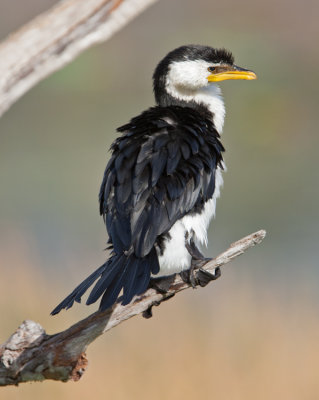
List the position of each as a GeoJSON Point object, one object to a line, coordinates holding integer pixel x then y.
{"type": "Point", "coordinates": [211, 69]}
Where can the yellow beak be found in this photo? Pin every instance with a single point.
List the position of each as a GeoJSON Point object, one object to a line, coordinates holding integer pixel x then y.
{"type": "Point", "coordinates": [223, 73]}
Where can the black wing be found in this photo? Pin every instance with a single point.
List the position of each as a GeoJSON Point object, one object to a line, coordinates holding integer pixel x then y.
{"type": "Point", "coordinates": [162, 168]}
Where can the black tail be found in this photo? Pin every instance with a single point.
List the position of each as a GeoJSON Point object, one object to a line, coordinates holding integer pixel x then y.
{"type": "Point", "coordinates": [129, 273]}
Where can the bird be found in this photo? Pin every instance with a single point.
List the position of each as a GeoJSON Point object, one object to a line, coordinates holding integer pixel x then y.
{"type": "Point", "coordinates": [160, 186]}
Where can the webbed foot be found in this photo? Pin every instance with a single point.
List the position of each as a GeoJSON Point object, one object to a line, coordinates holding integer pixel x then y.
{"type": "Point", "coordinates": [204, 277]}
{"type": "Point", "coordinates": [196, 275]}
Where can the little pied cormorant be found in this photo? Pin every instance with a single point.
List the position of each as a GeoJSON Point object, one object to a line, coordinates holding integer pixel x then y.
{"type": "Point", "coordinates": [160, 186]}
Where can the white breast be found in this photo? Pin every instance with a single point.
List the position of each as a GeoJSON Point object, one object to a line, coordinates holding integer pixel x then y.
{"type": "Point", "coordinates": [176, 257]}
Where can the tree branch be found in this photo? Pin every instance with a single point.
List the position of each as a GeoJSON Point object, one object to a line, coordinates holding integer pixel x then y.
{"type": "Point", "coordinates": [32, 355]}
{"type": "Point", "coordinates": [55, 38]}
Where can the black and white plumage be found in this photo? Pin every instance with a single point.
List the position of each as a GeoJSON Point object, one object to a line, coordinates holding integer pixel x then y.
{"type": "Point", "coordinates": [160, 186]}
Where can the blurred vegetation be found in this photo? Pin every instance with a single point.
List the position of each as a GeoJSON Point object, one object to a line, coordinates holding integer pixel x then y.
{"type": "Point", "coordinates": [254, 333]}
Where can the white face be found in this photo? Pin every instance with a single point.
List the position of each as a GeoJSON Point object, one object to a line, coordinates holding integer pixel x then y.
{"type": "Point", "coordinates": [189, 75]}
{"type": "Point", "coordinates": [187, 80]}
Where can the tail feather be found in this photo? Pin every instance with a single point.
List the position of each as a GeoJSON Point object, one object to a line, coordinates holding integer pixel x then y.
{"type": "Point", "coordinates": [110, 295]}
{"type": "Point", "coordinates": [79, 290]}
{"type": "Point", "coordinates": [106, 279]}
{"type": "Point", "coordinates": [113, 290]}
{"type": "Point", "coordinates": [129, 284]}
{"type": "Point", "coordinates": [143, 279]}
{"type": "Point", "coordinates": [130, 273]}
{"type": "Point", "coordinates": [133, 277]}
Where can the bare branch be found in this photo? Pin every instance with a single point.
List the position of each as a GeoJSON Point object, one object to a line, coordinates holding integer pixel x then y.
{"type": "Point", "coordinates": [32, 355]}
{"type": "Point", "coordinates": [55, 38]}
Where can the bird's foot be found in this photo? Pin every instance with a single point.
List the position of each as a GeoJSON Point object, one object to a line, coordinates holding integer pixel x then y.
{"type": "Point", "coordinates": [162, 285]}
{"type": "Point", "coordinates": [148, 313]}
{"type": "Point", "coordinates": [204, 277]}
{"type": "Point", "coordinates": [196, 275]}
{"type": "Point", "coordinates": [189, 277]}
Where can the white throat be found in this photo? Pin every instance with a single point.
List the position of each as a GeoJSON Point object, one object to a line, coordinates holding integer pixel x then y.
{"type": "Point", "coordinates": [187, 80]}
{"type": "Point", "coordinates": [210, 96]}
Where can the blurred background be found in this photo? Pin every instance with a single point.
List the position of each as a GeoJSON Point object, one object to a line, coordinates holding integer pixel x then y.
{"type": "Point", "coordinates": [254, 333]}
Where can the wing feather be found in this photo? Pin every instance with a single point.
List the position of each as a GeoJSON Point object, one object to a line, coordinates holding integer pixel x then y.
{"type": "Point", "coordinates": [159, 171]}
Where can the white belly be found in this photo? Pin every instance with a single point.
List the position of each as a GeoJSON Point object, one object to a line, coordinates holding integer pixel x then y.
{"type": "Point", "coordinates": [176, 257]}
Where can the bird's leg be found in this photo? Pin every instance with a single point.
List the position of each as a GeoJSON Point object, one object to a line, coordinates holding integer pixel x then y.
{"type": "Point", "coordinates": [196, 275]}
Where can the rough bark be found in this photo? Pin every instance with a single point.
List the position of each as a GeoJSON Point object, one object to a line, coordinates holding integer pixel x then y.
{"type": "Point", "coordinates": [32, 355]}
{"type": "Point", "coordinates": [55, 38]}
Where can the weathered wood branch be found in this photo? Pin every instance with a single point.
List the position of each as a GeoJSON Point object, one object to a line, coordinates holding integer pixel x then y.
{"type": "Point", "coordinates": [55, 38]}
{"type": "Point", "coordinates": [32, 355]}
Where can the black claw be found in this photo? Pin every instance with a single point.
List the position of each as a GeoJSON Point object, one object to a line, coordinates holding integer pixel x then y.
{"type": "Point", "coordinates": [204, 277]}
{"type": "Point", "coordinates": [218, 273]}
{"type": "Point", "coordinates": [194, 278]}
{"type": "Point", "coordinates": [148, 313]}
{"type": "Point", "coordinates": [162, 286]}
{"type": "Point", "coordinates": [199, 276]}
{"type": "Point", "coordinates": [189, 277]}
{"type": "Point", "coordinates": [196, 275]}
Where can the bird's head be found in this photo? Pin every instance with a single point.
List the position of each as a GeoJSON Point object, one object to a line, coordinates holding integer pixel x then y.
{"type": "Point", "coordinates": [190, 73]}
